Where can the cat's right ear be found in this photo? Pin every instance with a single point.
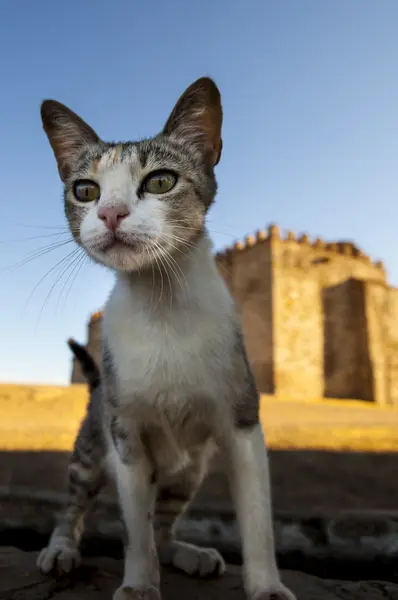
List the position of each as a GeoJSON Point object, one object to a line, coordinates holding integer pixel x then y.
{"type": "Point", "coordinates": [197, 118]}
{"type": "Point", "coordinates": [67, 133]}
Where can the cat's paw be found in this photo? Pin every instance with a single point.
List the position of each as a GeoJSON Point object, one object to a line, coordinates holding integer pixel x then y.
{"type": "Point", "coordinates": [61, 555]}
{"type": "Point", "coordinates": [193, 560]}
{"type": "Point", "coordinates": [275, 592]}
{"type": "Point", "coordinates": [136, 593]}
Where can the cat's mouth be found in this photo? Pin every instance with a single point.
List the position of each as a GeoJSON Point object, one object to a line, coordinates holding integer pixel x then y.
{"type": "Point", "coordinates": [117, 244]}
{"type": "Point", "coordinates": [122, 242]}
{"type": "Point", "coordinates": [123, 251]}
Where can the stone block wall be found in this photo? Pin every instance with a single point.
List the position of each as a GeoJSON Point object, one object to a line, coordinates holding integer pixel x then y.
{"type": "Point", "coordinates": [391, 336]}
{"type": "Point", "coordinates": [249, 279]}
{"type": "Point", "coordinates": [348, 369]}
{"type": "Point", "coordinates": [298, 327]}
{"type": "Point", "coordinates": [376, 315]}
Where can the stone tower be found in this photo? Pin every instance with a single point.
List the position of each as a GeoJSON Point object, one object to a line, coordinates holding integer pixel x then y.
{"type": "Point", "coordinates": [319, 318]}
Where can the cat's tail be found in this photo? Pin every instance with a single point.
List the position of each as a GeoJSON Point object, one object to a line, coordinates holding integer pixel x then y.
{"type": "Point", "coordinates": [89, 367]}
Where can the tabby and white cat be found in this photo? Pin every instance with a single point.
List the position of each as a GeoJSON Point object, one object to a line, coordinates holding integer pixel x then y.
{"type": "Point", "coordinates": [175, 381]}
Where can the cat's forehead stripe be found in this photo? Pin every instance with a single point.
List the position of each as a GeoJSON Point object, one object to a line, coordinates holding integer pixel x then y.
{"type": "Point", "coordinates": [116, 155]}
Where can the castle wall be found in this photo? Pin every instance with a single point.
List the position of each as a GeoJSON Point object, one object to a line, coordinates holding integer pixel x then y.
{"type": "Point", "coordinates": [250, 285]}
{"type": "Point", "coordinates": [391, 321]}
{"type": "Point", "coordinates": [376, 329]}
{"type": "Point", "coordinates": [330, 264]}
{"type": "Point", "coordinates": [94, 338]}
{"type": "Point", "coordinates": [320, 319]}
{"type": "Point", "coordinates": [348, 367]}
{"type": "Point", "coordinates": [353, 292]}
{"type": "Point", "coordinates": [297, 323]}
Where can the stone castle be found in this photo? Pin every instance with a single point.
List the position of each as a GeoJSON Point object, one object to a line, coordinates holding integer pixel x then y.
{"type": "Point", "coordinates": [319, 319]}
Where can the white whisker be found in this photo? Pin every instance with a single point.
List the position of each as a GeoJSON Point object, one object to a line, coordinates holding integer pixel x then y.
{"type": "Point", "coordinates": [83, 259]}
{"type": "Point", "coordinates": [37, 254]}
{"type": "Point", "coordinates": [58, 265]}
{"type": "Point", "coordinates": [58, 279]}
{"type": "Point", "coordinates": [160, 256]}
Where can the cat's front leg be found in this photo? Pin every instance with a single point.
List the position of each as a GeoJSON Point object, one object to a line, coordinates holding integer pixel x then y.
{"type": "Point", "coordinates": [250, 484]}
{"type": "Point", "coordinates": [137, 493]}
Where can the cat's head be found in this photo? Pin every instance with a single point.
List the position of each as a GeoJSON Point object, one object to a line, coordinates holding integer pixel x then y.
{"type": "Point", "coordinates": [129, 204]}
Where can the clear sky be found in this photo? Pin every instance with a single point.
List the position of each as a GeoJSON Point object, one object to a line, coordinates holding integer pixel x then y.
{"type": "Point", "coordinates": [310, 95]}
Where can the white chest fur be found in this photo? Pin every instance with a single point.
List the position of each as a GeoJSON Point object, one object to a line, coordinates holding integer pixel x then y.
{"type": "Point", "coordinates": [178, 349]}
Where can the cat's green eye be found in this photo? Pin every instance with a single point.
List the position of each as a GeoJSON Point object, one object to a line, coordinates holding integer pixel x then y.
{"type": "Point", "coordinates": [159, 182]}
{"type": "Point", "coordinates": [86, 190]}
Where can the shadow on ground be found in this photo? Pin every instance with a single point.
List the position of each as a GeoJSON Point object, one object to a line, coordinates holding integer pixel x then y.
{"type": "Point", "coordinates": [302, 481]}
{"type": "Point", "coordinates": [336, 513]}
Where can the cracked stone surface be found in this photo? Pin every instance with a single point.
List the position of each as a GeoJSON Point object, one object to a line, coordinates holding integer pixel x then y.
{"type": "Point", "coordinates": [97, 579]}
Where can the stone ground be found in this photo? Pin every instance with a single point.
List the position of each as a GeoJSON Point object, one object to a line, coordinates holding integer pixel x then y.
{"type": "Point", "coordinates": [97, 580]}
{"type": "Point", "coordinates": [335, 493]}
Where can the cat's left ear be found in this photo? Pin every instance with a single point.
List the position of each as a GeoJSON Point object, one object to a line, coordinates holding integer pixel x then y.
{"type": "Point", "coordinates": [67, 133]}
{"type": "Point", "coordinates": [197, 118]}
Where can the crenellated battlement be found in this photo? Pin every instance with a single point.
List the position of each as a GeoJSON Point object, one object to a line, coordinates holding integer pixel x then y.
{"type": "Point", "coordinates": [273, 232]}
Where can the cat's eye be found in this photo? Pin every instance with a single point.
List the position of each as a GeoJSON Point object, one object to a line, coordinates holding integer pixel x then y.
{"type": "Point", "coordinates": [159, 182]}
{"type": "Point", "coordinates": [86, 190]}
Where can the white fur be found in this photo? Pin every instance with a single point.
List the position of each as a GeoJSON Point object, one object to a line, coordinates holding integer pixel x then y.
{"type": "Point", "coordinates": [251, 492]}
{"type": "Point", "coordinates": [119, 184]}
{"type": "Point", "coordinates": [172, 351]}
{"type": "Point", "coordinates": [136, 501]}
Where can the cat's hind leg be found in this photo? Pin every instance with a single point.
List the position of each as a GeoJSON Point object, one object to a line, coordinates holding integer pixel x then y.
{"type": "Point", "coordinates": [86, 475]}
{"type": "Point", "coordinates": [171, 503]}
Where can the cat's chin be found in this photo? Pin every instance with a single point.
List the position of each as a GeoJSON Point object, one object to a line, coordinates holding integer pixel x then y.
{"type": "Point", "coordinates": [120, 257]}
{"type": "Point", "coordinates": [125, 253]}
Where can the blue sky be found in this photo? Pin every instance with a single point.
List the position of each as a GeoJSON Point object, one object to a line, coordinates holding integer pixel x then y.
{"type": "Point", "coordinates": [310, 95]}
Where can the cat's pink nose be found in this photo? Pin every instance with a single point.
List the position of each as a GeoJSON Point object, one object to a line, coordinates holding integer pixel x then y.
{"type": "Point", "coordinates": [113, 215]}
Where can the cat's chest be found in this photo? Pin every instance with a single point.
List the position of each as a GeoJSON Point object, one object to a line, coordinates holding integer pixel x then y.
{"type": "Point", "coordinates": [174, 352]}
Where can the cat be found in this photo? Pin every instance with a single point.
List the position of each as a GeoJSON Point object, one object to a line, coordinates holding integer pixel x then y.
{"type": "Point", "coordinates": [176, 384]}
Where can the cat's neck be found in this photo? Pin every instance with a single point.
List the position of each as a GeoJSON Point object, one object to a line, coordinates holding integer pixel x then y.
{"type": "Point", "coordinates": [176, 280]}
